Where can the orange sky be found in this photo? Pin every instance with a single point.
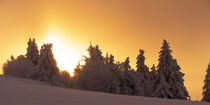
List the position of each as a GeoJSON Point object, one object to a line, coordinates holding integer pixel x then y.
{"type": "Point", "coordinates": [120, 27]}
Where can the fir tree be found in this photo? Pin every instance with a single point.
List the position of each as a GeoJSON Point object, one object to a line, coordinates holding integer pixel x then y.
{"type": "Point", "coordinates": [96, 74]}
{"type": "Point", "coordinates": [107, 58]}
{"type": "Point", "coordinates": [111, 59]}
{"type": "Point", "coordinates": [77, 79]}
{"type": "Point", "coordinates": [206, 87]}
{"type": "Point", "coordinates": [77, 71]}
{"type": "Point", "coordinates": [177, 82]}
{"type": "Point", "coordinates": [169, 83]}
{"type": "Point", "coordinates": [32, 51]}
{"type": "Point", "coordinates": [140, 64]}
{"type": "Point", "coordinates": [161, 86]}
{"type": "Point", "coordinates": [138, 84]}
{"type": "Point", "coordinates": [49, 71]}
{"type": "Point", "coordinates": [143, 75]}
{"type": "Point", "coordinates": [88, 74]}
{"type": "Point", "coordinates": [126, 65]}
{"type": "Point", "coordinates": [127, 79]}
{"type": "Point", "coordinates": [113, 87]}
{"type": "Point", "coordinates": [153, 73]}
{"type": "Point", "coordinates": [95, 53]}
{"type": "Point", "coordinates": [66, 79]}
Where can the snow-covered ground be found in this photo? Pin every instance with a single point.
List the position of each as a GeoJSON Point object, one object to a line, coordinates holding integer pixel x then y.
{"type": "Point", "coordinates": [17, 91]}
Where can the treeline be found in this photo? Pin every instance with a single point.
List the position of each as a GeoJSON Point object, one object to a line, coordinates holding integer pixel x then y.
{"type": "Point", "coordinates": [104, 74]}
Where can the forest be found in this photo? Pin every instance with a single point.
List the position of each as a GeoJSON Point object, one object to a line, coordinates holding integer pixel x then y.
{"type": "Point", "coordinates": [104, 74]}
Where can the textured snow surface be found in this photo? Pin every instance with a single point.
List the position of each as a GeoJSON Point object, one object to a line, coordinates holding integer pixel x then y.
{"type": "Point", "coordinates": [17, 91]}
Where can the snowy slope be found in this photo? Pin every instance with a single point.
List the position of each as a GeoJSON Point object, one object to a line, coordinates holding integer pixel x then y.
{"type": "Point", "coordinates": [17, 91]}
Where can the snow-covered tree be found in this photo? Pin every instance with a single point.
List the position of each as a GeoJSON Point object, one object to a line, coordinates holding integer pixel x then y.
{"type": "Point", "coordinates": [126, 64]}
{"type": "Point", "coordinates": [206, 87]}
{"type": "Point", "coordinates": [153, 73]}
{"type": "Point", "coordinates": [161, 85]}
{"type": "Point", "coordinates": [162, 88]}
{"type": "Point", "coordinates": [109, 59]}
{"type": "Point", "coordinates": [78, 80]}
{"type": "Point", "coordinates": [95, 53]}
{"type": "Point", "coordinates": [165, 59]}
{"type": "Point", "coordinates": [113, 87]}
{"type": "Point", "coordinates": [49, 72]}
{"type": "Point", "coordinates": [169, 83]}
{"type": "Point", "coordinates": [20, 67]}
{"type": "Point", "coordinates": [96, 74]}
{"type": "Point", "coordinates": [177, 82]}
{"type": "Point", "coordinates": [127, 83]}
{"type": "Point", "coordinates": [143, 75]}
{"type": "Point", "coordinates": [140, 64]}
{"type": "Point", "coordinates": [24, 66]}
{"type": "Point", "coordinates": [32, 51]}
{"type": "Point", "coordinates": [138, 84]}
{"type": "Point", "coordinates": [66, 79]}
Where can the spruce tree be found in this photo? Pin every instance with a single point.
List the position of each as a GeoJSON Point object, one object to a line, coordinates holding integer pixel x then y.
{"type": "Point", "coordinates": [140, 64]}
{"type": "Point", "coordinates": [126, 65]}
{"type": "Point", "coordinates": [177, 82]}
{"type": "Point", "coordinates": [90, 71]}
{"type": "Point", "coordinates": [162, 88]}
{"type": "Point", "coordinates": [169, 83]}
{"type": "Point", "coordinates": [206, 87]}
{"type": "Point", "coordinates": [107, 58]}
{"type": "Point", "coordinates": [111, 59]}
{"type": "Point", "coordinates": [95, 53]}
{"type": "Point", "coordinates": [66, 79]}
{"type": "Point", "coordinates": [153, 73]}
{"type": "Point", "coordinates": [77, 78]}
{"type": "Point", "coordinates": [113, 86]}
{"type": "Point", "coordinates": [49, 72]}
{"type": "Point", "coordinates": [142, 75]}
{"type": "Point", "coordinates": [96, 74]}
{"type": "Point", "coordinates": [127, 80]}
{"type": "Point", "coordinates": [32, 51]}
{"type": "Point", "coordinates": [161, 85]}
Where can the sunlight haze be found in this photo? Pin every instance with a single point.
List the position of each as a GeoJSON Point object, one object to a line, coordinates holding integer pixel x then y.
{"type": "Point", "coordinates": [66, 55]}
{"type": "Point", "coordinates": [119, 27]}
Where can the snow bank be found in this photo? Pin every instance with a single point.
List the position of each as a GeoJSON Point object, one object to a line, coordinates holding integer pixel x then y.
{"type": "Point", "coordinates": [17, 91]}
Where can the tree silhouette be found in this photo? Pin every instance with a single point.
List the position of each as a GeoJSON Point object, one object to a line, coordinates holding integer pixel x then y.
{"type": "Point", "coordinates": [32, 51]}
{"type": "Point", "coordinates": [49, 72]}
{"type": "Point", "coordinates": [177, 82]}
{"type": "Point", "coordinates": [95, 74]}
{"type": "Point", "coordinates": [169, 83]}
{"type": "Point", "coordinates": [66, 79]}
{"type": "Point", "coordinates": [153, 73]}
{"type": "Point", "coordinates": [206, 87]}
{"type": "Point", "coordinates": [142, 75]}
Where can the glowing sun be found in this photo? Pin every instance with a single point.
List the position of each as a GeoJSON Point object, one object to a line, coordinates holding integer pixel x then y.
{"type": "Point", "coordinates": [66, 55]}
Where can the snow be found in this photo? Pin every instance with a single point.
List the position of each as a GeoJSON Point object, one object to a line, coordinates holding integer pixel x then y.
{"type": "Point", "coordinates": [18, 91]}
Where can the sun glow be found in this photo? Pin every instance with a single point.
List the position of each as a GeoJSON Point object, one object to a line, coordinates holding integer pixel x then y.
{"type": "Point", "coordinates": [66, 55]}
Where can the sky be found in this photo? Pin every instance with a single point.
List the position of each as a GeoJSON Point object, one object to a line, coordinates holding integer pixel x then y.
{"type": "Point", "coordinates": [119, 27]}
